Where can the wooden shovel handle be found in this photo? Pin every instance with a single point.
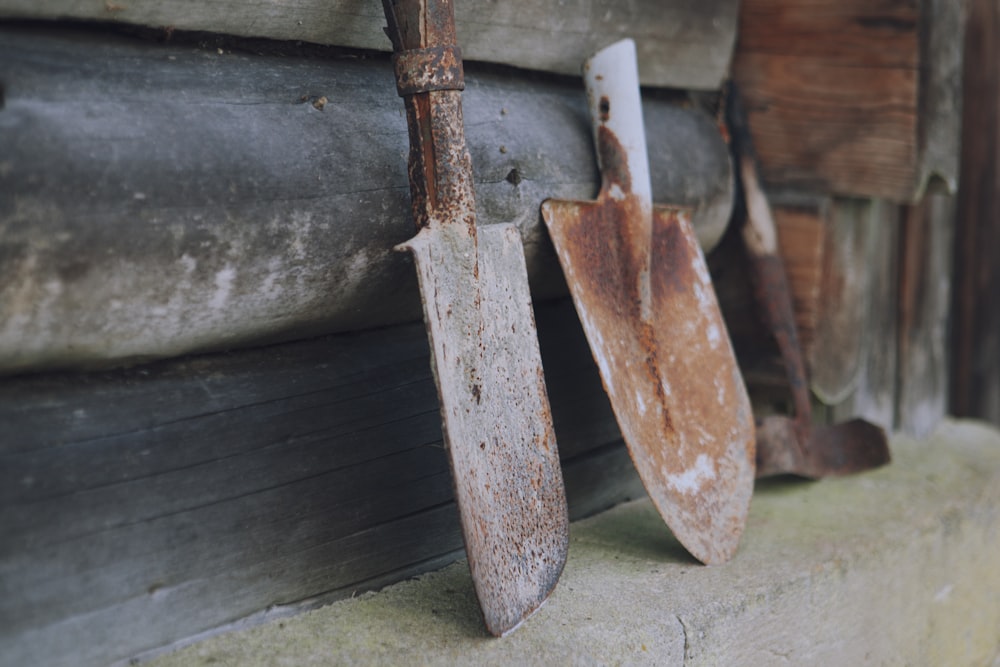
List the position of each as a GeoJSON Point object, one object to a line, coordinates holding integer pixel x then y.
{"type": "Point", "coordinates": [429, 78]}
{"type": "Point", "coordinates": [769, 277]}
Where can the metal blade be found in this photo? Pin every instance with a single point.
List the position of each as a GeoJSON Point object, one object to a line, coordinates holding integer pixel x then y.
{"type": "Point", "coordinates": [671, 373]}
{"type": "Point", "coordinates": [497, 421]}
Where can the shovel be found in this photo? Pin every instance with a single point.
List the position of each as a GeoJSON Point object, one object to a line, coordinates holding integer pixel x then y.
{"type": "Point", "coordinates": [643, 294]}
{"type": "Point", "coordinates": [786, 445]}
{"type": "Point", "coordinates": [484, 351]}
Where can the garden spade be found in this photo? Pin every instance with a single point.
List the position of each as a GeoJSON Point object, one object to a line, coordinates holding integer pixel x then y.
{"type": "Point", "coordinates": [484, 350]}
{"type": "Point", "coordinates": [790, 445]}
{"type": "Point", "coordinates": [641, 288]}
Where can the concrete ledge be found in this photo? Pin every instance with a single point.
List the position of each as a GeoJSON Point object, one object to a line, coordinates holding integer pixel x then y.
{"type": "Point", "coordinates": [898, 566]}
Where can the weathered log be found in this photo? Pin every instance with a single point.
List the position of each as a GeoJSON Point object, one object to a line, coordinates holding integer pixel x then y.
{"type": "Point", "coordinates": [143, 506]}
{"type": "Point", "coordinates": [157, 200]}
{"type": "Point", "coordinates": [681, 44]}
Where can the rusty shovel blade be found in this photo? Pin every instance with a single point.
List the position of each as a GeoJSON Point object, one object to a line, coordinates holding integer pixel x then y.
{"type": "Point", "coordinates": [497, 423]}
{"type": "Point", "coordinates": [642, 291]}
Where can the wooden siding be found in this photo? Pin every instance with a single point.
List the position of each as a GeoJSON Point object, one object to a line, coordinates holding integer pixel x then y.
{"type": "Point", "coordinates": [681, 44]}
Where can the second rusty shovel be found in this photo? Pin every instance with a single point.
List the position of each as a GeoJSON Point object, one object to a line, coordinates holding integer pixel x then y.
{"type": "Point", "coordinates": [790, 445]}
{"type": "Point", "coordinates": [643, 293]}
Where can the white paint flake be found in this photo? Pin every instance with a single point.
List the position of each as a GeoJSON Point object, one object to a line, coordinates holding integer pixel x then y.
{"type": "Point", "coordinates": [690, 480]}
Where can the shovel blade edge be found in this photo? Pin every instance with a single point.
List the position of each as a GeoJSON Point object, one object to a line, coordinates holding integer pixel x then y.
{"type": "Point", "coordinates": [496, 418]}
{"type": "Point", "coordinates": [667, 365]}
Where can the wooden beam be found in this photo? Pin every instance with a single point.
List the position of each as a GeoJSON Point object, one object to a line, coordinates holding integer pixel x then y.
{"type": "Point", "coordinates": [168, 199]}
{"type": "Point", "coordinates": [140, 507]}
{"type": "Point", "coordinates": [680, 44]}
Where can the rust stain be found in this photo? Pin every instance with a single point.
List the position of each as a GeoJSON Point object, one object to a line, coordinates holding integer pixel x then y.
{"type": "Point", "coordinates": [669, 368]}
{"type": "Point", "coordinates": [614, 161]}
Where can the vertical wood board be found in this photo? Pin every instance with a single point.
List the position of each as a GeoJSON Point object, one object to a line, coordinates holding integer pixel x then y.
{"type": "Point", "coordinates": [975, 345]}
{"type": "Point", "coordinates": [875, 391]}
{"type": "Point", "coordinates": [924, 310]}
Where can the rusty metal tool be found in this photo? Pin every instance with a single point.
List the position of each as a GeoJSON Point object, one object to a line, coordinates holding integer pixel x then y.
{"type": "Point", "coordinates": [484, 349]}
{"type": "Point", "coordinates": [642, 290]}
{"type": "Point", "coordinates": [790, 445]}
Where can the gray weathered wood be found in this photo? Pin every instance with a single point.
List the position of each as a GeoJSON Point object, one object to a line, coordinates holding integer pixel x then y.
{"type": "Point", "coordinates": [925, 311]}
{"type": "Point", "coordinates": [874, 396]}
{"type": "Point", "coordinates": [681, 43]}
{"type": "Point", "coordinates": [156, 200]}
{"type": "Point", "coordinates": [842, 342]}
{"type": "Point", "coordinates": [941, 52]}
{"type": "Point", "coordinates": [139, 507]}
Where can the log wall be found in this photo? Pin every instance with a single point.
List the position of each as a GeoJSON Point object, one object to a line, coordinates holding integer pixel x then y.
{"type": "Point", "coordinates": [164, 199]}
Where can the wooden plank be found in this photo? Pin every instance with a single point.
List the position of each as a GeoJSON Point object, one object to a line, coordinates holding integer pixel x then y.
{"type": "Point", "coordinates": [943, 30]}
{"type": "Point", "coordinates": [840, 349]}
{"type": "Point", "coordinates": [833, 93]}
{"type": "Point", "coordinates": [875, 392]}
{"type": "Point", "coordinates": [171, 199]}
{"type": "Point", "coordinates": [975, 347]}
{"type": "Point", "coordinates": [146, 505]}
{"type": "Point", "coordinates": [840, 258]}
{"type": "Point", "coordinates": [924, 312]}
{"type": "Point", "coordinates": [802, 244]}
{"type": "Point", "coordinates": [681, 44]}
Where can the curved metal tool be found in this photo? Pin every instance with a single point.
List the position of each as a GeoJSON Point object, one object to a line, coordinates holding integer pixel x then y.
{"type": "Point", "coordinates": [643, 293]}
{"type": "Point", "coordinates": [484, 349]}
{"type": "Point", "coordinates": [785, 445]}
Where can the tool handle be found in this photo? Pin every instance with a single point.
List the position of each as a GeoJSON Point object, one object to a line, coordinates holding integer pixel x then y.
{"type": "Point", "coordinates": [429, 78]}
{"type": "Point", "coordinates": [612, 80]}
{"type": "Point", "coordinates": [770, 280]}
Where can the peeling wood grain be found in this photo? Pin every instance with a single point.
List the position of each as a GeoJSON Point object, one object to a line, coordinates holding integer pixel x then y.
{"type": "Point", "coordinates": [681, 44]}
{"type": "Point", "coordinates": [169, 199]}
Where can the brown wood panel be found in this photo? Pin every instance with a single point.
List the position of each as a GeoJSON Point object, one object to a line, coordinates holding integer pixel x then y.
{"type": "Point", "coordinates": [975, 344]}
{"type": "Point", "coordinates": [833, 93]}
{"type": "Point", "coordinates": [877, 33]}
{"type": "Point", "coordinates": [802, 244]}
